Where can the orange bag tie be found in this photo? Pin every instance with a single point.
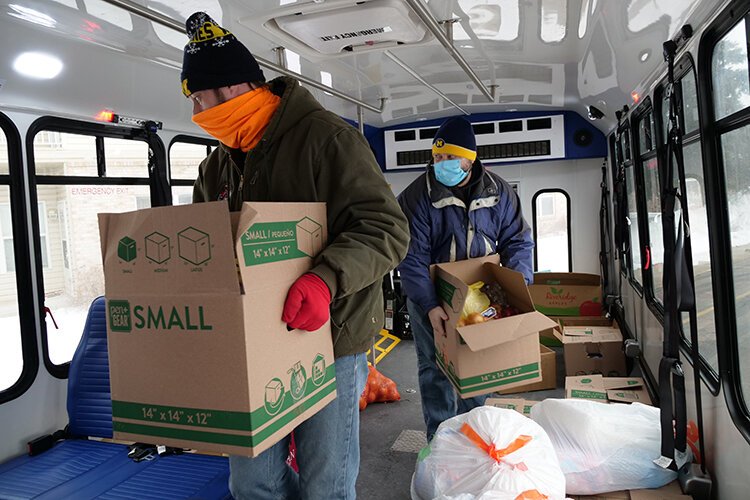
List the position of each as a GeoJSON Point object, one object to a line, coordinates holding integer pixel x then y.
{"type": "Point", "coordinates": [496, 454]}
{"type": "Point", "coordinates": [532, 495]}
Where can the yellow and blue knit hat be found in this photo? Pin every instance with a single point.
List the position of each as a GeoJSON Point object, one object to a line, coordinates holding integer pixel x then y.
{"type": "Point", "coordinates": [455, 137]}
{"type": "Point", "coordinates": [214, 58]}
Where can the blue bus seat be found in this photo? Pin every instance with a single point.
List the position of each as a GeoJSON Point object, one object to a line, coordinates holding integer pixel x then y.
{"type": "Point", "coordinates": [82, 468]}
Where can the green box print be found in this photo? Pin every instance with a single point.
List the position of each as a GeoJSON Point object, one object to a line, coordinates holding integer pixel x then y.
{"type": "Point", "coordinates": [126, 249]}
{"type": "Point", "coordinates": [267, 242]}
{"type": "Point", "coordinates": [194, 245]}
{"type": "Point", "coordinates": [119, 316]}
{"type": "Point", "coordinates": [204, 421]}
{"type": "Point", "coordinates": [445, 291]}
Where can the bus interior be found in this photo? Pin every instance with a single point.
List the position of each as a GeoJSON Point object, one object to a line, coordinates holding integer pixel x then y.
{"type": "Point", "coordinates": [585, 107]}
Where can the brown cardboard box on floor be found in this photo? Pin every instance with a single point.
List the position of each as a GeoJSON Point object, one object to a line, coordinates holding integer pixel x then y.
{"type": "Point", "coordinates": [549, 374]}
{"type": "Point", "coordinates": [567, 294]}
{"type": "Point", "coordinates": [196, 359]}
{"type": "Point", "coordinates": [593, 350]}
{"type": "Point", "coordinates": [497, 354]}
{"type": "Point", "coordinates": [522, 406]}
{"type": "Point", "coordinates": [551, 337]}
{"type": "Point", "coordinates": [607, 389]}
{"type": "Point", "coordinates": [671, 491]}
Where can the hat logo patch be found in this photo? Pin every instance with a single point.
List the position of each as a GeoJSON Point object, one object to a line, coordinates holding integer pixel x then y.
{"type": "Point", "coordinates": [209, 31]}
{"type": "Point", "coordinates": [440, 143]}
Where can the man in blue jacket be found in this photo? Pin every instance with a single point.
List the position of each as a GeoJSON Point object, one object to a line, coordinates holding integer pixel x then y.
{"type": "Point", "coordinates": [457, 210]}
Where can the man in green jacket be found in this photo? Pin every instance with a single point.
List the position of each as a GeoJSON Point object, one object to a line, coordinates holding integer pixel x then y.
{"type": "Point", "coordinates": [279, 144]}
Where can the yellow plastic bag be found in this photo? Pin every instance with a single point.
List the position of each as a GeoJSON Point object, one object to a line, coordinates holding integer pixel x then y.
{"type": "Point", "coordinates": [476, 300]}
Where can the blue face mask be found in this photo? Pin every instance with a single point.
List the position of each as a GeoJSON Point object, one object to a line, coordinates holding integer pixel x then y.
{"type": "Point", "coordinates": [449, 172]}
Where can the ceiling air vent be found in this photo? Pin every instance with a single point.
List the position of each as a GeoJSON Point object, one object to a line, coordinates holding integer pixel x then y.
{"type": "Point", "coordinates": [521, 139]}
{"type": "Point", "coordinates": [340, 28]}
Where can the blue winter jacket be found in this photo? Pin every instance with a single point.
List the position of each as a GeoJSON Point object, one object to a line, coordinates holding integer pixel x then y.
{"type": "Point", "coordinates": [442, 229]}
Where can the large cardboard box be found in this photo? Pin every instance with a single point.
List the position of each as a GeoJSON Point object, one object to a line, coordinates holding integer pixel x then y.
{"type": "Point", "coordinates": [195, 360]}
{"type": "Point", "coordinates": [593, 350]}
{"type": "Point", "coordinates": [522, 406]}
{"type": "Point", "coordinates": [567, 294]}
{"type": "Point", "coordinates": [549, 374]}
{"type": "Point", "coordinates": [497, 354]}
{"type": "Point", "coordinates": [607, 389]}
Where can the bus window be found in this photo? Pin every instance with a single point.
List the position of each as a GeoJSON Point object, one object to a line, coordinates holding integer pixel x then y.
{"type": "Point", "coordinates": [551, 214]}
{"type": "Point", "coordinates": [634, 260]}
{"type": "Point", "coordinates": [11, 354]}
{"type": "Point", "coordinates": [690, 121]}
{"type": "Point", "coordinates": [184, 159]}
{"type": "Point", "coordinates": [73, 185]}
{"type": "Point", "coordinates": [698, 216]}
{"type": "Point", "coordinates": [735, 147]}
{"type": "Point", "coordinates": [731, 102]}
{"type": "Point", "coordinates": [730, 73]}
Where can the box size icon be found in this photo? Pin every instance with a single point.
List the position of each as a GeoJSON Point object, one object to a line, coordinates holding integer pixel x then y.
{"type": "Point", "coordinates": [194, 245]}
{"type": "Point", "coordinates": [157, 247]}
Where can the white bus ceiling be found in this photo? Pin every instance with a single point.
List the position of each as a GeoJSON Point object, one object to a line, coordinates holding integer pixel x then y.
{"type": "Point", "coordinates": [541, 54]}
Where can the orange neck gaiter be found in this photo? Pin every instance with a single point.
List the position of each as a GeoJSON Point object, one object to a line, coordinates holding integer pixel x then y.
{"type": "Point", "coordinates": [240, 122]}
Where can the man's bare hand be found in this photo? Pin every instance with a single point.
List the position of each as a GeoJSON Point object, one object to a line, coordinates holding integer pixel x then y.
{"type": "Point", "coordinates": [437, 320]}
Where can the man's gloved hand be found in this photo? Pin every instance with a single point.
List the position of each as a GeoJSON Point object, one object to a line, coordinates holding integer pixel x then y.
{"type": "Point", "coordinates": [308, 303]}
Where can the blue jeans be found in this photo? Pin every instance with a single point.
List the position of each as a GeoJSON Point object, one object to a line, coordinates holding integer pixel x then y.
{"type": "Point", "coordinates": [439, 399]}
{"type": "Point", "coordinates": [327, 449]}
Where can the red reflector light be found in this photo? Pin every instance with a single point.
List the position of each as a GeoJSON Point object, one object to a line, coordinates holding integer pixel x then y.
{"type": "Point", "coordinates": [635, 96]}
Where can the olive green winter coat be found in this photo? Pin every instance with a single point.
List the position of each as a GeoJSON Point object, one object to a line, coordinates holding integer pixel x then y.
{"type": "Point", "coordinates": [309, 154]}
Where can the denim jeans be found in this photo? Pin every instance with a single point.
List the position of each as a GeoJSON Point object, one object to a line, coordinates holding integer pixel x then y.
{"type": "Point", "coordinates": [439, 399]}
{"type": "Point", "coordinates": [327, 449]}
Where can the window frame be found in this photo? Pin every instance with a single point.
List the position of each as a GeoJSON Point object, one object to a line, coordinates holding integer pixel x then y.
{"type": "Point", "coordinates": [188, 139]}
{"type": "Point", "coordinates": [625, 130]}
{"type": "Point", "coordinates": [15, 181]}
{"type": "Point", "coordinates": [716, 206]}
{"type": "Point", "coordinates": [99, 131]}
{"type": "Point", "coordinates": [639, 160]}
{"type": "Point", "coordinates": [682, 67]}
{"type": "Point", "coordinates": [534, 224]}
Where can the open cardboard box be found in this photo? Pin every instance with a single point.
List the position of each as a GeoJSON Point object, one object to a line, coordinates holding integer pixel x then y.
{"type": "Point", "coordinates": [607, 389]}
{"type": "Point", "coordinates": [593, 350]}
{"type": "Point", "coordinates": [522, 406]}
{"type": "Point", "coordinates": [198, 360]}
{"type": "Point", "coordinates": [497, 354]}
{"type": "Point", "coordinates": [550, 337]}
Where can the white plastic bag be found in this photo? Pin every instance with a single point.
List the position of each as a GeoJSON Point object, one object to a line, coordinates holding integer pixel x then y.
{"type": "Point", "coordinates": [604, 447]}
{"type": "Point", "coordinates": [455, 466]}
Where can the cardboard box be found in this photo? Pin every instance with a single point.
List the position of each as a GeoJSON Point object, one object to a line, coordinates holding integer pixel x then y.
{"type": "Point", "coordinates": [497, 354]}
{"type": "Point", "coordinates": [613, 495]}
{"type": "Point", "coordinates": [551, 339]}
{"type": "Point", "coordinates": [522, 406]}
{"type": "Point", "coordinates": [671, 491]}
{"type": "Point", "coordinates": [607, 389]}
{"type": "Point", "coordinates": [549, 374]}
{"type": "Point", "coordinates": [593, 350]}
{"type": "Point", "coordinates": [195, 361]}
{"type": "Point", "coordinates": [567, 294]}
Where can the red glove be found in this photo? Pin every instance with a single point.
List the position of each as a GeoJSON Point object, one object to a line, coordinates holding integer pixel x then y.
{"type": "Point", "coordinates": [308, 303]}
